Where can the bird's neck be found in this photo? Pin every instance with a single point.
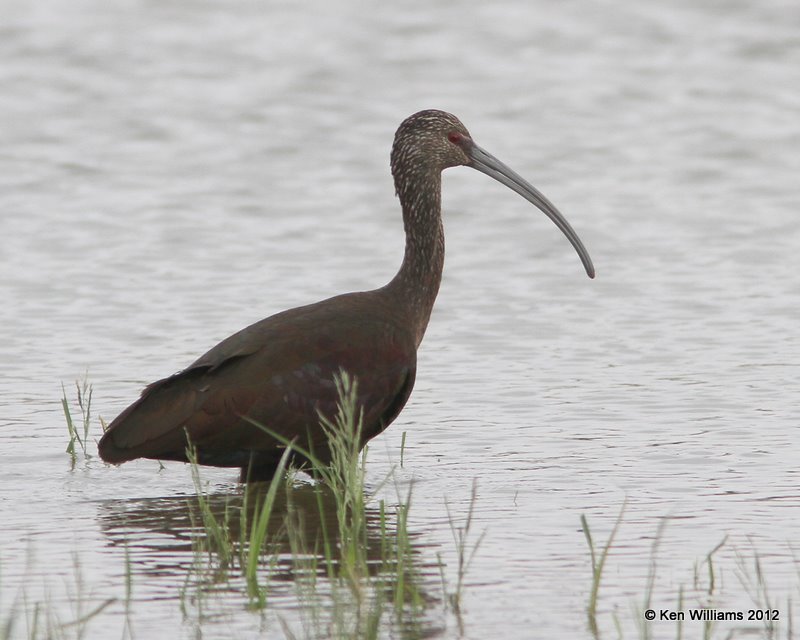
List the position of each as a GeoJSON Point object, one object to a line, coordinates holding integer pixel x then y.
{"type": "Point", "coordinates": [417, 282]}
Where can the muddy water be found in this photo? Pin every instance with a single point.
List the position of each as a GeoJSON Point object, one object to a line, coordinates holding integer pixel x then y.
{"type": "Point", "coordinates": [170, 173]}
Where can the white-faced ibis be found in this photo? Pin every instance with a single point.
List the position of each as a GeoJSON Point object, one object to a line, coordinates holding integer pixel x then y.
{"type": "Point", "coordinates": [279, 372]}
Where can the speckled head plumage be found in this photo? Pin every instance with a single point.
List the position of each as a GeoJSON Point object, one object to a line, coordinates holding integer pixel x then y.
{"type": "Point", "coordinates": [429, 140]}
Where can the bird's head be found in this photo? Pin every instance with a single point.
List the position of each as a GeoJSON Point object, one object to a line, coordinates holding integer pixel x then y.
{"type": "Point", "coordinates": [430, 141]}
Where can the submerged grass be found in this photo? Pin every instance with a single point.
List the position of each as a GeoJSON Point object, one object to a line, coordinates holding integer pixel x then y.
{"type": "Point", "coordinates": [598, 563]}
{"type": "Point", "coordinates": [351, 561]}
{"type": "Point", "coordinates": [78, 433]}
{"type": "Point", "coordinates": [41, 619]}
{"type": "Point", "coordinates": [231, 542]}
{"type": "Point", "coordinates": [363, 579]}
{"type": "Point", "coordinates": [353, 566]}
{"type": "Point", "coordinates": [215, 542]}
{"type": "Point", "coordinates": [751, 576]}
{"type": "Point", "coordinates": [465, 553]}
{"type": "Point", "coordinates": [258, 541]}
{"type": "Point", "coordinates": [705, 596]}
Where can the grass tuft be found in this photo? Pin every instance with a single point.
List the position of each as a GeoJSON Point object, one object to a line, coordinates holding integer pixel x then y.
{"type": "Point", "coordinates": [598, 563]}
{"type": "Point", "coordinates": [258, 541]}
{"type": "Point", "coordinates": [78, 433]}
{"type": "Point", "coordinates": [352, 563]}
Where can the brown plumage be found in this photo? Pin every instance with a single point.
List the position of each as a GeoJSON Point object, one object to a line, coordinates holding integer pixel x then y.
{"type": "Point", "coordinates": [280, 371]}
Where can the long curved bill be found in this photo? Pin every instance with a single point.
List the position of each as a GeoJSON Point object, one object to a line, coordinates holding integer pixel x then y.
{"type": "Point", "coordinates": [486, 163]}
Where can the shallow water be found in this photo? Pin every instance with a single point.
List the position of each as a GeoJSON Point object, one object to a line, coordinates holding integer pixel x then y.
{"type": "Point", "coordinates": [171, 172]}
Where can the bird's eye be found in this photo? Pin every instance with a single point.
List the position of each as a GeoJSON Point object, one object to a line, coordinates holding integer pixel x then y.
{"type": "Point", "coordinates": [455, 137]}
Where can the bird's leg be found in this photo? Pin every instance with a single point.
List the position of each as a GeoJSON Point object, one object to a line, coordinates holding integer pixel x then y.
{"type": "Point", "coordinates": [260, 468]}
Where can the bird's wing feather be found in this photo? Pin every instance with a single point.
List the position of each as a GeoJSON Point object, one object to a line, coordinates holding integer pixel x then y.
{"type": "Point", "coordinates": [279, 373]}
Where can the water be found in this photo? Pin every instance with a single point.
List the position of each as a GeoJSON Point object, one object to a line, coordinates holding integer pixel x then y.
{"type": "Point", "coordinates": [171, 172]}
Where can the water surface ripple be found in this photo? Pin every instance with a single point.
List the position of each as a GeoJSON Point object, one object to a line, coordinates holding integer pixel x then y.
{"type": "Point", "coordinates": [171, 172]}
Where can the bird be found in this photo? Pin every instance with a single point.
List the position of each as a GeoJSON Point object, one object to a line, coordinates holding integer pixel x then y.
{"type": "Point", "coordinates": [281, 372]}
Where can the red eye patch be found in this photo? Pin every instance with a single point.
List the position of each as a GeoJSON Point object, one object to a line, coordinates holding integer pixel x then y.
{"type": "Point", "coordinates": [455, 137]}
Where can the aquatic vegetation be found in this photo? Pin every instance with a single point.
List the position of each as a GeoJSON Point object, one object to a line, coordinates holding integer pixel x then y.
{"type": "Point", "coordinates": [465, 553]}
{"type": "Point", "coordinates": [703, 602]}
{"type": "Point", "coordinates": [349, 554]}
{"type": "Point", "coordinates": [78, 433]}
{"type": "Point", "coordinates": [41, 619]}
{"type": "Point", "coordinates": [598, 563]}
{"type": "Point", "coordinates": [353, 569]}
{"type": "Point", "coordinates": [326, 552]}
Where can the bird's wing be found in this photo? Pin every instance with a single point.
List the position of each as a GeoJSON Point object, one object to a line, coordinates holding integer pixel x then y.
{"type": "Point", "coordinates": [279, 373]}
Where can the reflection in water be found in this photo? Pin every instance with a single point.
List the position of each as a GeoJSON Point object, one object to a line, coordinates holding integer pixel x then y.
{"type": "Point", "coordinates": [168, 543]}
